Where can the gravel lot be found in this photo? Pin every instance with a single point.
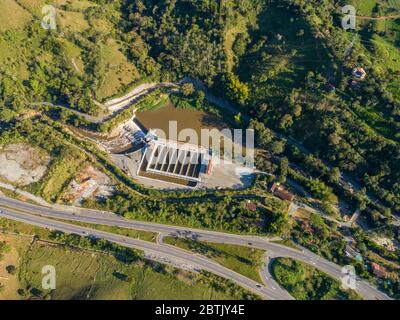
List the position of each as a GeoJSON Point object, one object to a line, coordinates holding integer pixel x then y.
{"type": "Point", "coordinates": [22, 163]}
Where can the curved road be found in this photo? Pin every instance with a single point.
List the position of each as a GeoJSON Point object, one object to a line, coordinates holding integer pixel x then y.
{"type": "Point", "coordinates": [150, 248]}
{"type": "Point", "coordinates": [268, 279]}
{"type": "Point", "coordinates": [274, 250]}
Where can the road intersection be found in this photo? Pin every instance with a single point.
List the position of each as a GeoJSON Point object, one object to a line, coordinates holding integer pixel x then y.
{"type": "Point", "coordinates": [38, 215]}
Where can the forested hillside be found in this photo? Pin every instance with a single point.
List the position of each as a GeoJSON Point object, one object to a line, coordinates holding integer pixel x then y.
{"type": "Point", "coordinates": [287, 63]}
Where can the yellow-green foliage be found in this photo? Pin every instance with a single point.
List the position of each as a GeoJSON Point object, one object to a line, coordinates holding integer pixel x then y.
{"type": "Point", "coordinates": [72, 21]}
{"type": "Point", "coordinates": [4, 248]}
{"type": "Point", "coordinates": [62, 171]}
{"type": "Point", "coordinates": [86, 275]}
{"type": "Point", "coordinates": [34, 6]}
{"type": "Point", "coordinates": [243, 260]}
{"type": "Point", "coordinates": [14, 55]}
{"type": "Point", "coordinates": [367, 7]}
{"type": "Point", "coordinates": [138, 234]}
{"type": "Point", "coordinates": [118, 71]}
{"type": "Point", "coordinates": [388, 53]}
{"type": "Point", "coordinates": [307, 283]}
{"type": "Point", "coordinates": [237, 90]}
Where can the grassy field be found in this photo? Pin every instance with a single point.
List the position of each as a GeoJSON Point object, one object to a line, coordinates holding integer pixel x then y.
{"type": "Point", "coordinates": [72, 21]}
{"type": "Point", "coordinates": [8, 257]}
{"type": "Point", "coordinates": [230, 36]}
{"type": "Point", "coordinates": [74, 55]}
{"type": "Point", "coordinates": [88, 274]}
{"type": "Point", "coordinates": [118, 71]}
{"type": "Point", "coordinates": [395, 90]}
{"type": "Point", "coordinates": [388, 53]}
{"type": "Point", "coordinates": [102, 26]}
{"type": "Point", "coordinates": [378, 44]}
{"type": "Point", "coordinates": [288, 243]}
{"type": "Point", "coordinates": [61, 173]}
{"type": "Point", "coordinates": [12, 15]}
{"type": "Point", "coordinates": [243, 260]}
{"type": "Point", "coordinates": [304, 282]}
{"type": "Point", "coordinates": [35, 6]}
{"type": "Point", "coordinates": [14, 55]}
{"type": "Point", "coordinates": [366, 7]}
{"type": "Point", "coordinates": [17, 54]}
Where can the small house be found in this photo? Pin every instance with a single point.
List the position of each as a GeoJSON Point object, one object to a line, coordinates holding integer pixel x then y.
{"type": "Point", "coordinates": [278, 190]}
{"type": "Point", "coordinates": [359, 73]}
{"type": "Point", "coordinates": [251, 206]}
{"type": "Point", "coordinates": [379, 271]}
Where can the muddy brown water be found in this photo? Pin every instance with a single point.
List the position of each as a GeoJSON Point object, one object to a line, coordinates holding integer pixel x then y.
{"type": "Point", "coordinates": [159, 121]}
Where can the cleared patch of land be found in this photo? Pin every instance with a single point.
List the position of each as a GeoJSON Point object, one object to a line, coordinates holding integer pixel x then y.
{"type": "Point", "coordinates": [61, 173]}
{"type": "Point", "coordinates": [22, 163]}
{"type": "Point", "coordinates": [88, 183]}
{"type": "Point", "coordinates": [73, 54]}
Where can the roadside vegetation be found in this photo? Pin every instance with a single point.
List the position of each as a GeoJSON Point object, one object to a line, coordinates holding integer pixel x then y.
{"type": "Point", "coordinates": [96, 269]}
{"type": "Point", "coordinates": [137, 234]}
{"type": "Point", "coordinates": [304, 282]}
{"type": "Point", "coordinates": [243, 260]}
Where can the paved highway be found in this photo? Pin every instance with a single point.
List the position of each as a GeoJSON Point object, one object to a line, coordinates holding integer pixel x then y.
{"type": "Point", "coordinates": [268, 279]}
{"type": "Point", "coordinates": [150, 248]}
{"type": "Point", "coordinates": [274, 250]}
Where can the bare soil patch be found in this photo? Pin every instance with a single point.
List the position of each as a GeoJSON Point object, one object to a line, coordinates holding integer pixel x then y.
{"type": "Point", "coordinates": [90, 182]}
{"type": "Point", "coordinates": [22, 163]}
